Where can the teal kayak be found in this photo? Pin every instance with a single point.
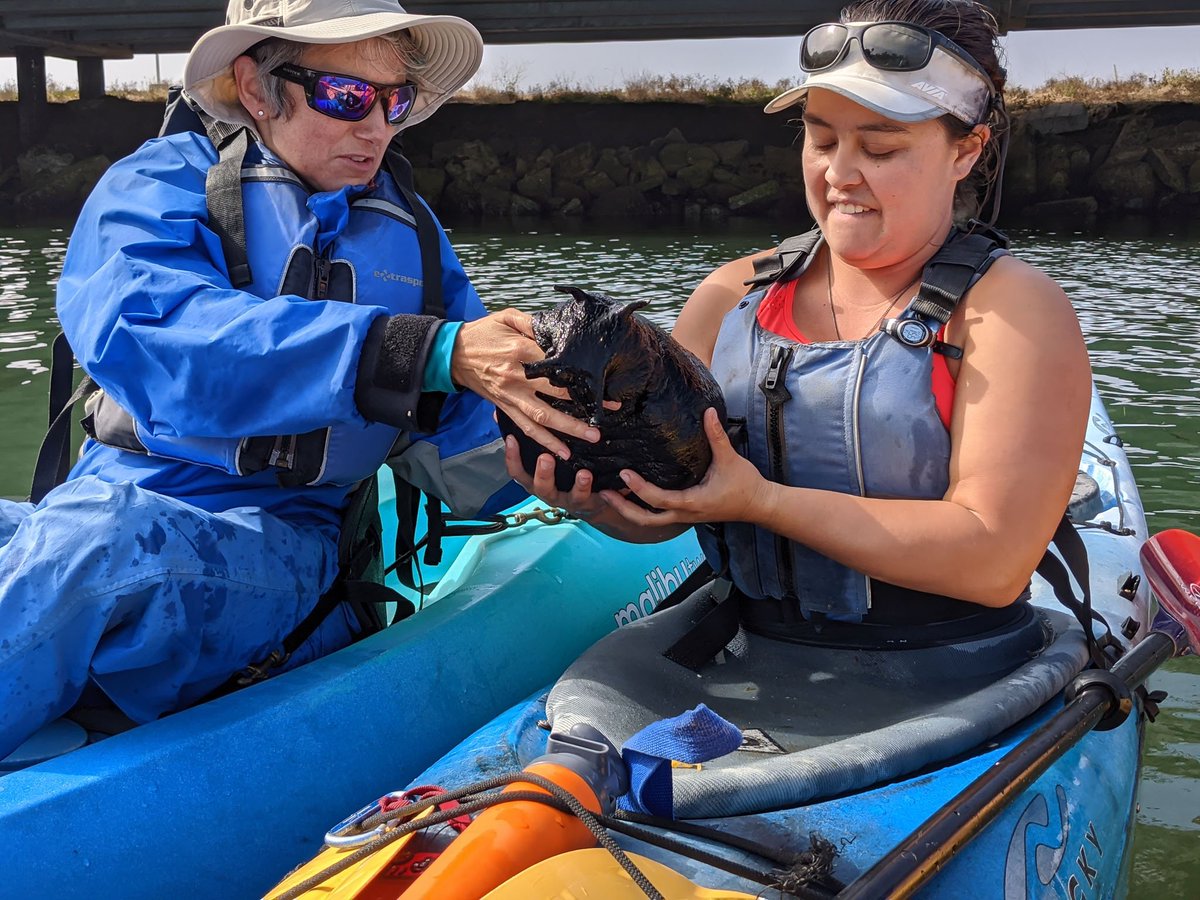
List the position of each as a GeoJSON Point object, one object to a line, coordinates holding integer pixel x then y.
{"type": "Point", "coordinates": [217, 800]}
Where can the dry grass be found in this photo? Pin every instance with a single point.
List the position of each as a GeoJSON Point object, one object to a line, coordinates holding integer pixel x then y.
{"type": "Point", "coordinates": [643, 88]}
{"type": "Point", "coordinates": [59, 93]}
{"type": "Point", "coordinates": [505, 87]}
{"type": "Point", "coordinates": [1182, 85]}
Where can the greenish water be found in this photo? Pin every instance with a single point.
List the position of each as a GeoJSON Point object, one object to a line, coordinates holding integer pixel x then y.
{"type": "Point", "coordinates": [1136, 297]}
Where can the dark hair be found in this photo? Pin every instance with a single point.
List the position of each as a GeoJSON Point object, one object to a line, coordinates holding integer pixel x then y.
{"type": "Point", "coordinates": [972, 26]}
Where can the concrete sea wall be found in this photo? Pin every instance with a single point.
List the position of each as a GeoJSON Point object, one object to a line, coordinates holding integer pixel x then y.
{"type": "Point", "coordinates": [659, 161]}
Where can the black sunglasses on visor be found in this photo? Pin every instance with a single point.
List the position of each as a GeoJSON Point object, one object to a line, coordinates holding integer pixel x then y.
{"type": "Point", "coordinates": [889, 46]}
{"type": "Point", "coordinates": [347, 98]}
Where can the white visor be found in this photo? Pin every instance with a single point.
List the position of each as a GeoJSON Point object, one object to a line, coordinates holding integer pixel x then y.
{"type": "Point", "coordinates": [947, 84]}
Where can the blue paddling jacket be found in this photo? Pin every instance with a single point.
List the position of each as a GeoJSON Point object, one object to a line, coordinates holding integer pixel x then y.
{"type": "Point", "coordinates": [286, 392]}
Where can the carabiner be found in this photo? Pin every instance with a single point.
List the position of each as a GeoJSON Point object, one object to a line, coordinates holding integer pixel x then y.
{"type": "Point", "coordinates": [546, 515]}
{"type": "Point", "coordinates": [550, 516]}
{"type": "Point", "coordinates": [337, 837]}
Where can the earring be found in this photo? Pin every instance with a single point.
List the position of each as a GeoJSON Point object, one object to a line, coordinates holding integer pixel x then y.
{"type": "Point", "coordinates": [261, 113]}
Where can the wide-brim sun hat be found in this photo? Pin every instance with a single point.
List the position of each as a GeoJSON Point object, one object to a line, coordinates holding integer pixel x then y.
{"type": "Point", "coordinates": [452, 47]}
{"type": "Point", "coordinates": [946, 84]}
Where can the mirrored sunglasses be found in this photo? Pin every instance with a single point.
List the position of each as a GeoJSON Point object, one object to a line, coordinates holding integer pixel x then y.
{"type": "Point", "coordinates": [889, 46]}
{"type": "Point", "coordinates": [347, 98]}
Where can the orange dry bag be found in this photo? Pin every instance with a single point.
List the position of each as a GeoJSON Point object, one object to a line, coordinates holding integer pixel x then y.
{"type": "Point", "coordinates": [512, 835]}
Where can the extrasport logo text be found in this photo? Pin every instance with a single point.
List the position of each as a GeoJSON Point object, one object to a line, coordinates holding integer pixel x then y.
{"type": "Point", "coordinates": [660, 584]}
{"type": "Point", "coordinates": [394, 276]}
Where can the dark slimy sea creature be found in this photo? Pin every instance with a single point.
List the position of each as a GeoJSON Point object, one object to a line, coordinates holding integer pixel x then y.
{"type": "Point", "coordinates": [598, 349]}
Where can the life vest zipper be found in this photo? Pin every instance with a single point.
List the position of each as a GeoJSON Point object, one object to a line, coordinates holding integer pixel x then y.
{"type": "Point", "coordinates": [283, 452]}
{"type": "Point", "coordinates": [856, 440]}
{"type": "Point", "coordinates": [321, 268]}
{"type": "Point", "coordinates": [775, 390]}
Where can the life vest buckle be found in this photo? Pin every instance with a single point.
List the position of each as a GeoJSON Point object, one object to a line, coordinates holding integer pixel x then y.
{"type": "Point", "coordinates": [256, 672]}
{"type": "Point", "coordinates": [915, 333]}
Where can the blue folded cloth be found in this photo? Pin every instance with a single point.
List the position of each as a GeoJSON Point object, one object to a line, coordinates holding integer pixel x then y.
{"type": "Point", "coordinates": [695, 736]}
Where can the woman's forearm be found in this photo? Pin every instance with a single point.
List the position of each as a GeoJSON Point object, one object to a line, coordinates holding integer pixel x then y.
{"type": "Point", "coordinates": [930, 545]}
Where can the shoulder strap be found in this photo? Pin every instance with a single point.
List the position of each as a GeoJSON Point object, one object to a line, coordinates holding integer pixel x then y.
{"type": "Point", "coordinates": [951, 271]}
{"type": "Point", "coordinates": [223, 188]}
{"type": "Point", "coordinates": [1074, 555]}
{"type": "Point", "coordinates": [181, 114]}
{"type": "Point", "coordinates": [428, 236]}
{"type": "Point", "coordinates": [54, 457]}
{"type": "Point", "coordinates": [433, 303]}
{"type": "Point", "coordinates": [787, 258]}
{"type": "Point", "coordinates": [223, 183]}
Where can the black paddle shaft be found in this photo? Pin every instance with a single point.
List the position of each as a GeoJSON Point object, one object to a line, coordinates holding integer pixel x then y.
{"type": "Point", "coordinates": [926, 851]}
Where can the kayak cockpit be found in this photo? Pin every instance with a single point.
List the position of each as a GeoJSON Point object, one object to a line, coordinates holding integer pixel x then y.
{"type": "Point", "coordinates": [817, 720]}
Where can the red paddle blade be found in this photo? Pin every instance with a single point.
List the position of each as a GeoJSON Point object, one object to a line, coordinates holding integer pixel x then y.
{"type": "Point", "coordinates": [1171, 560]}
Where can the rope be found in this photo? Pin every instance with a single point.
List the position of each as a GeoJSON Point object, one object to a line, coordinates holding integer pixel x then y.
{"type": "Point", "coordinates": [559, 799]}
{"type": "Point", "coordinates": [795, 878]}
{"type": "Point", "coordinates": [819, 850]}
{"type": "Point", "coordinates": [624, 821]}
{"type": "Point", "coordinates": [437, 818]}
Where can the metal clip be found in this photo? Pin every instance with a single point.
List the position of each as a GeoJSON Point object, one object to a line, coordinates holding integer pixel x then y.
{"type": "Point", "coordinates": [337, 836]}
{"type": "Point", "coordinates": [546, 515]}
{"type": "Point", "coordinates": [256, 672]}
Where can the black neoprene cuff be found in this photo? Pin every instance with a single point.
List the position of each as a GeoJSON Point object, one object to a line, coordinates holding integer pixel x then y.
{"type": "Point", "coordinates": [390, 369]}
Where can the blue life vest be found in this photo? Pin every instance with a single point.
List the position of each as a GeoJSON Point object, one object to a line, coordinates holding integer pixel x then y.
{"type": "Point", "coordinates": [852, 416]}
{"type": "Point", "coordinates": [365, 253]}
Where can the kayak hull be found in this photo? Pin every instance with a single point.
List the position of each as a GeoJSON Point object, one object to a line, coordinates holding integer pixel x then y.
{"type": "Point", "coordinates": [1068, 835]}
{"type": "Point", "coordinates": [219, 800]}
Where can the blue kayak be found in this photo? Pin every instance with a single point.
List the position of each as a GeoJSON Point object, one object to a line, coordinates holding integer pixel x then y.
{"type": "Point", "coordinates": [858, 747]}
{"type": "Point", "coordinates": [223, 799]}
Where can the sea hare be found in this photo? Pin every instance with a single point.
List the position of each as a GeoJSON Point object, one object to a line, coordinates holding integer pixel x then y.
{"type": "Point", "coordinates": [599, 349]}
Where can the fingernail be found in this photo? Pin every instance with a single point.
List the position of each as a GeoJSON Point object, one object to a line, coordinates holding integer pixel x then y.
{"type": "Point", "coordinates": [624, 476]}
{"type": "Point", "coordinates": [592, 434]}
{"type": "Point", "coordinates": [564, 454]}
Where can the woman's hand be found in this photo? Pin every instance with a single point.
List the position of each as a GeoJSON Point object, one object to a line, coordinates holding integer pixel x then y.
{"type": "Point", "coordinates": [580, 501]}
{"type": "Point", "coordinates": [489, 357]}
{"type": "Point", "coordinates": [732, 490]}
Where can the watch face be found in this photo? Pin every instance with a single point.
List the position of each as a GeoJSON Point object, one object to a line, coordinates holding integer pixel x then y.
{"type": "Point", "coordinates": [913, 333]}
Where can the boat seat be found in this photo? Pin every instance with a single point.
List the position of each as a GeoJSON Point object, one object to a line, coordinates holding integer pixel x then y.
{"type": "Point", "coordinates": [816, 721]}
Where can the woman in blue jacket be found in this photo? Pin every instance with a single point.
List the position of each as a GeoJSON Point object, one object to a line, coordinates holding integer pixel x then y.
{"type": "Point", "coordinates": [239, 408]}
